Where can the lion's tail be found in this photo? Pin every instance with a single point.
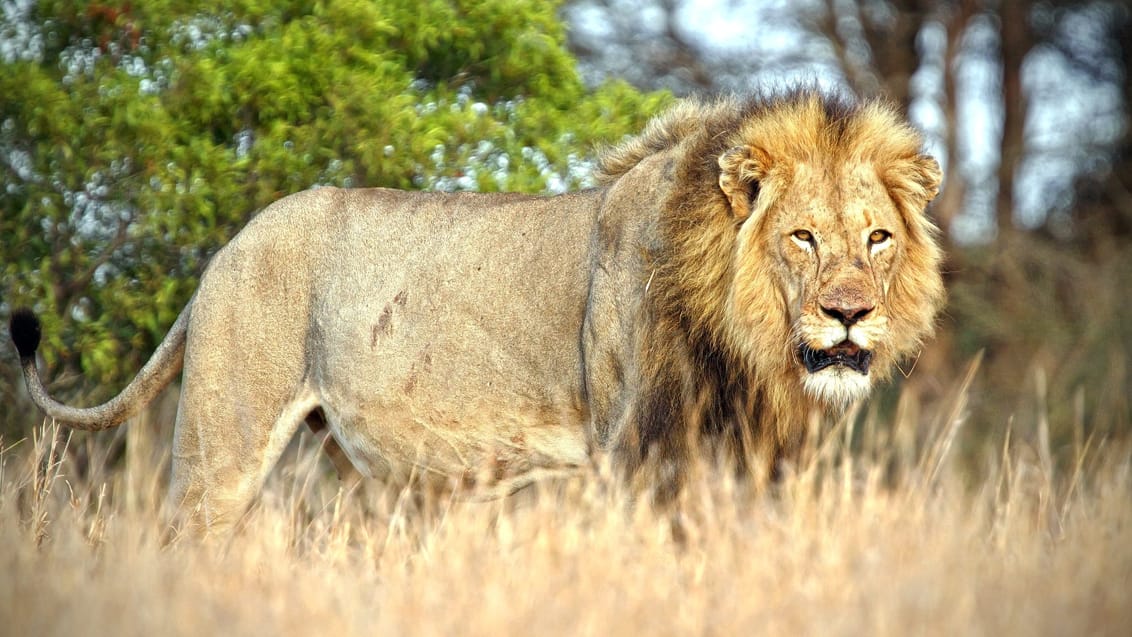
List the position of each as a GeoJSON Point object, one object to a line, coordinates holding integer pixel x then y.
{"type": "Point", "coordinates": [162, 367]}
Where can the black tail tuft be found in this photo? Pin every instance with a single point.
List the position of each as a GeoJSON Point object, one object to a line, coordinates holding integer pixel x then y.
{"type": "Point", "coordinates": [25, 332]}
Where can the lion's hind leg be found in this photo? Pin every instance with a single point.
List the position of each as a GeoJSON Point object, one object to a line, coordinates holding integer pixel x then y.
{"type": "Point", "coordinates": [224, 448]}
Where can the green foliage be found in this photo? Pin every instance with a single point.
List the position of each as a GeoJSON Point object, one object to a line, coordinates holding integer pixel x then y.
{"type": "Point", "coordinates": [137, 137]}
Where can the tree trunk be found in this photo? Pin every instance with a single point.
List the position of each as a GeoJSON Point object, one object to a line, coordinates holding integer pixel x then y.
{"type": "Point", "coordinates": [893, 46]}
{"type": "Point", "coordinates": [1016, 41]}
{"type": "Point", "coordinates": [950, 201]}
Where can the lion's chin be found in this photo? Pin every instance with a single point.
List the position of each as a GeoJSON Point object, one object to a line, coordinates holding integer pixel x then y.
{"type": "Point", "coordinates": [836, 386]}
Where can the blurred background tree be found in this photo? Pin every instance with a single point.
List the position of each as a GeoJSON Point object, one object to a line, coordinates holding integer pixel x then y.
{"type": "Point", "coordinates": [137, 137]}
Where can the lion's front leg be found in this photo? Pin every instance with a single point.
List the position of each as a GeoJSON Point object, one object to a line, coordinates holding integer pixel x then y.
{"type": "Point", "coordinates": [653, 440]}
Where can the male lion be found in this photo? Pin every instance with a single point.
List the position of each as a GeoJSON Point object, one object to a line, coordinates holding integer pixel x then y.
{"type": "Point", "coordinates": [742, 264]}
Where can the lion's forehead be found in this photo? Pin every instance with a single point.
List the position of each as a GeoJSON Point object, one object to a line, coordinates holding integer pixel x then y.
{"type": "Point", "coordinates": [839, 203]}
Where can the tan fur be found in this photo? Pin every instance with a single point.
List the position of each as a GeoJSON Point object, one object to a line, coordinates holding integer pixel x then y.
{"type": "Point", "coordinates": [462, 336]}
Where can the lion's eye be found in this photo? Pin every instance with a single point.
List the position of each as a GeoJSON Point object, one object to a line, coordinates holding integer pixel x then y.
{"type": "Point", "coordinates": [804, 235]}
{"type": "Point", "coordinates": [879, 236]}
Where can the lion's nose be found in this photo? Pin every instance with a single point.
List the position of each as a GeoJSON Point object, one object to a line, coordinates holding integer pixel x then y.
{"type": "Point", "coordinates": [847, 313]}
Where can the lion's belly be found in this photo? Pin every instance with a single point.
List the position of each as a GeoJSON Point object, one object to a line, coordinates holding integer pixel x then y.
{"type": "Point", "coordinates": [499, 442]}
{"type": "Point", "coordinates": [437, 392]}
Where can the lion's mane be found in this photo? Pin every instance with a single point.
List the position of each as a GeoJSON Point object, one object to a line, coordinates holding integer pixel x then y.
{"type": "Point", "coordinates": [730, 382]}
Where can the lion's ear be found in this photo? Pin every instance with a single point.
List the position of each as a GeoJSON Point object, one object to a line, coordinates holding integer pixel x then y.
{"type": "Point", "coordinates": [915, 181]}
{"type": "Point", "coordinates": [740, 170]}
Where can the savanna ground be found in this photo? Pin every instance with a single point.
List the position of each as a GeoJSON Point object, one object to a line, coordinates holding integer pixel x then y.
{"type": "Point", "coordinates": [882, 529]}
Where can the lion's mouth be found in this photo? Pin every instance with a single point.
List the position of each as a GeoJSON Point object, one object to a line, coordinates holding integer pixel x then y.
{"type": "Point", "coordinates": [844, 353]}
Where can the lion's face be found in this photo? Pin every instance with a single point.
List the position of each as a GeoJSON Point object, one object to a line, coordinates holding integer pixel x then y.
{"type": "Point", "coordinates": [836, 274]}
{"type": "Point", "coordinates": [836, 243]}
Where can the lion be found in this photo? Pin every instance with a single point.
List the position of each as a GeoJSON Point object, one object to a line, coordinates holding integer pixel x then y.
{"type": "Point", "coordinates": [741, 264]}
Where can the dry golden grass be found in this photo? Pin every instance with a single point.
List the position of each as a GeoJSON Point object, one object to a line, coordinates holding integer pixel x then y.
{"type": "Point", "coordinates": [891, 537]}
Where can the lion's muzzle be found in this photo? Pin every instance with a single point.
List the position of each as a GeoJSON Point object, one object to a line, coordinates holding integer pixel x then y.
{"type": "Point", "coordinates": [845, 353]}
